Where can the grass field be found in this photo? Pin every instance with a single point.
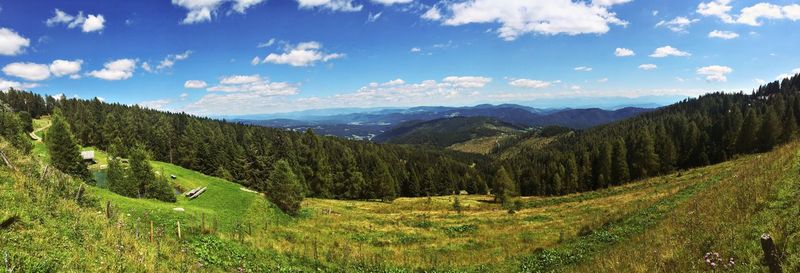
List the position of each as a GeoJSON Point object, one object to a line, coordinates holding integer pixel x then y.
{"type": "Point", "coordinates": [662, 224]}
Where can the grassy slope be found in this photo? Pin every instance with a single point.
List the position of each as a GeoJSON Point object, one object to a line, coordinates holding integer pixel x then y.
{"type": "Point", "coordinates": [624, 229]}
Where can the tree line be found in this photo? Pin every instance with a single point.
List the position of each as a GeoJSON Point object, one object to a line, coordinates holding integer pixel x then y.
{"type": "Point", "coordinates": [694, 132]}
{"type": "Point", "coordinates": [325, 167]}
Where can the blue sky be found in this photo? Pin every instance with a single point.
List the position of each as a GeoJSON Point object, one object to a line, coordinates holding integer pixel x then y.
{"type": "Point", "coordinates": [227, 57]}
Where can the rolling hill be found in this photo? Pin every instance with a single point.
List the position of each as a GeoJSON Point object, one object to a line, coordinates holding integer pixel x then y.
{"type": "Point", "coordinates": [447, 131]}
{"type": "Point", "coordinates": [369, 124]}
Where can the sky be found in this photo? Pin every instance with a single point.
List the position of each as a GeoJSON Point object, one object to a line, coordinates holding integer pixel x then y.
{"type": "Point", "coordinates": [236, 57]}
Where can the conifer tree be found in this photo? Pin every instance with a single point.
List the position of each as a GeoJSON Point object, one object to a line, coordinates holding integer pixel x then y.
{"type": "Point", "coordinates": [503, 187]}
{"type": "Point", "coordinates": [284, 189]}
{"type": "Point", "coordinates": [619, 165]}
{"type": "Point", "coordinates": [117, 178]}
{"type": "Point", "coordinates": [746, 142]}
{"type": "Point", "coordinates": [64, 152]}
{"type": "Point", "coordinates": [770, 131]}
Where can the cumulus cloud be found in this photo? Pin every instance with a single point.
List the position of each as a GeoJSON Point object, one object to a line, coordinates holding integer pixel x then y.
{"type": "Point", "coordinates": [715, 73]}
{"type": "Point", "coordinates": [121, 69]}
{"type": "Point", "coordinates": [8, 84]}
{"type": "Point", "coordinates": [432, 14]}
{"type": "Point", "coordinates": [90, 23]}
{"type": "Point", "coordinates": [202, 10]}
{"type": "Point", "coordinates": [66, 68]}
{"type": "Point", "coordinates": [752, 15]}
{"type": "Point", "coordinates": [254, 84]}
{"type": "Point", "coordinates": [647, 66]}
{"type": "Point", "coordinates": [583, 69]}
{"type": "Point", "coordinates": [528, 83]}
{"type": "Point", "coordinates": [416, 49]}
{"type": "Point", "coordinates": [666, 51]}
{"type": "Point", "coordinates": [623, 52]}
{"type": "Point", "coordinates": [679, 24]}
{"type": "Point", "coordinates": [11, 43]}
{"type": "Point", "coordinates": [303, 54]}
{"type": "Point", "coordinates": [195, 84]}
{"type": "Point", "coordinates": [28, 71]}
{"type": "Point", "coordinates": [392, 2]}
{"type": "Point", "coordinates": [517, 18]}
{"type": "Point", "coordinates": [788, 75]}
{"type": "Point", "coordinates": [727, 35]}
{"type": "Point", "coordinates": [160, 104]}
{"type": "Point", "coordinates": [334, 5]}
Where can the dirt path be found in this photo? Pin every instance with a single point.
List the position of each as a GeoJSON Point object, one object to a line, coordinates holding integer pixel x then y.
{"type": "Point", "coordinates": [33, 134]}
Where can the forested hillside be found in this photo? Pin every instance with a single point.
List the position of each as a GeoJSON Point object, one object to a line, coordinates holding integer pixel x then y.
{"type": "Point", "coordinates": [328, 167]}
{"type": "Point", "coordinates": [445, 132]}
{"type": "Point", "coordinates": [695, 132]}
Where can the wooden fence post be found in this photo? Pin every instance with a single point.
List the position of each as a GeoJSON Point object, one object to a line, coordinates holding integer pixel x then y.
{"type": "Point", "coordinates": [108, 209]}
{"type": "Point", "coordinates": [179, 230]}
{"type": "Point", "coordinates": [79, 194]}
{"type": "Point", "coordinates": [770, 253]}
{"type": "Point", "coordinates": [151, 231]}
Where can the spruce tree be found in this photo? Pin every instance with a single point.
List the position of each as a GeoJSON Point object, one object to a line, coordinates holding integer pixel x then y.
{"type": "Point", "coordinates": [117, 178]}
{"type": "Point", "coordinates": [284, 189]}
{"type": "Point", "coordinates": [746, 142]}
{"type": "Point", "coordinates": [770, 131]}
{"type": "Point", "coordinates": [619, 165]}
{"type": "Point", "coordinates": [64, 152]}
{"type": "Point", "coordinates": [504, 188]}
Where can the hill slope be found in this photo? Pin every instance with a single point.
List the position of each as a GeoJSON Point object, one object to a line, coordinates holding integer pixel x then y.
{"type": "Point", "coordinates": [448, 131]}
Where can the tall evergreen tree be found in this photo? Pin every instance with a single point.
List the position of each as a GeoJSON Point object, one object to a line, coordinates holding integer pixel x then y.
{"type": "Point", "coordinates": [117, 178]}
{"type": "Point", "coordinates": [504, 188]}
{"type": "Point", "coordinates": [619, 165]}
{"type": "Point", "coordinates": [770, 131]}
{"type": "Point", "coordinates": [284, 188]}
{"type": "Point", "coordinates": [64, 152]}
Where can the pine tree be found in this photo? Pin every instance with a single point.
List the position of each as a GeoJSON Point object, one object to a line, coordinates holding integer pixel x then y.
{"type": "Point", "coordinates": [141, 173]}
{"type": "Point", "coordinates": [284, 189]}
{"type": "Point", "coordinates": [385, 183]}
{"type": "Point", "coordinates": [770, 131]}
{"type": "Point", "coordinates": [746, 142]}
{"type": "Point", "coordinates": [117, 178]}
{"type": "Point", "coordinates": [64, 152]}
{"type": "Point", "coordinates": [619, 165]}
{"type": "Point", "coordinates": [503, 187]}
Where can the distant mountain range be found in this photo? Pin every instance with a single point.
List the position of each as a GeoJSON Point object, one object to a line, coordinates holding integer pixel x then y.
{"type": "Point", "coordinates": [375, 121]}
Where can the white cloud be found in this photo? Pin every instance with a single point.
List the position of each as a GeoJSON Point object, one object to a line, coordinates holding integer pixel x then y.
{"type": "Point", "coordinates": [575, 87]}
{"type": "Point", "coordinates": [11, 43]}
{"type": "Point", "coordinates": [28, 71]}
{"type": "Point", "coordinates": [583, 69]}
{"type": "Point", "coordinates": [195, 84]}
{"type": "Point", "coordinates": [392, 2]}
{"type": "Point", "coordinates": [63, 67]}
{"type": "Point", "coordinates": [240, 79]}
{"type": "Point", "coordinates": [759, 81]}
{"type": "Point", "coordinates": [727, 35]}
{"type": "Point", "coordinates": [304, 54]}
{"type": "Point", "coordinates": [394, 82]}
{"type": "Point", "coordinates": [268, 43]}
{"type": "Point", "coordinates": [623, 52]}
{"type": "Point", "coordinates": [666, 51]}
{"type": "Point", "coordinates": [528, 83]}
{"type": "Point", "coordinates": [90, 23]}
{"type": "Point", "coordinates": [751, 15]}
{"type": "Point", "coordinates": [202, 10]}
{"type": "Point", "coordinates": [717, 8]}
{"type": "Point", "coordinates": [160, 104]}
{"type": "Point", "coordinates": [517, 18]}
{"type": "Point", "coordinates": [334, 5]}
{"type": "Point", "coordinates": [184, 96]}
{"type": "Point", "coordinates": [94, 23]}
{"type": "Point", "coordinates": [168, 62]}
{"type": "Point", "coordinates": [121, 69]}
{"type": "Point", "coordinates": [468, 81]}
{"type": "Point", "coordinates": [416, 49]}
{"type": "Point", "coordinates": [373, 17]}
{"type": "Point", "coordinates": [432, 14]}
{"type": "Point", "coordinates": [715, 73]}
{"type": "Point", "coordinates": [648, 66]}
{"type": "Point", "coordinates": [679, 24]}
{"type": "Point", "coordinates": [603, 80]}
{"type": "Point", "coordinates": [255, 60]}
{"type": "Point", "coordinates": [788, 75]}
{"type": "Point", "coordinates": [8, 84]}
